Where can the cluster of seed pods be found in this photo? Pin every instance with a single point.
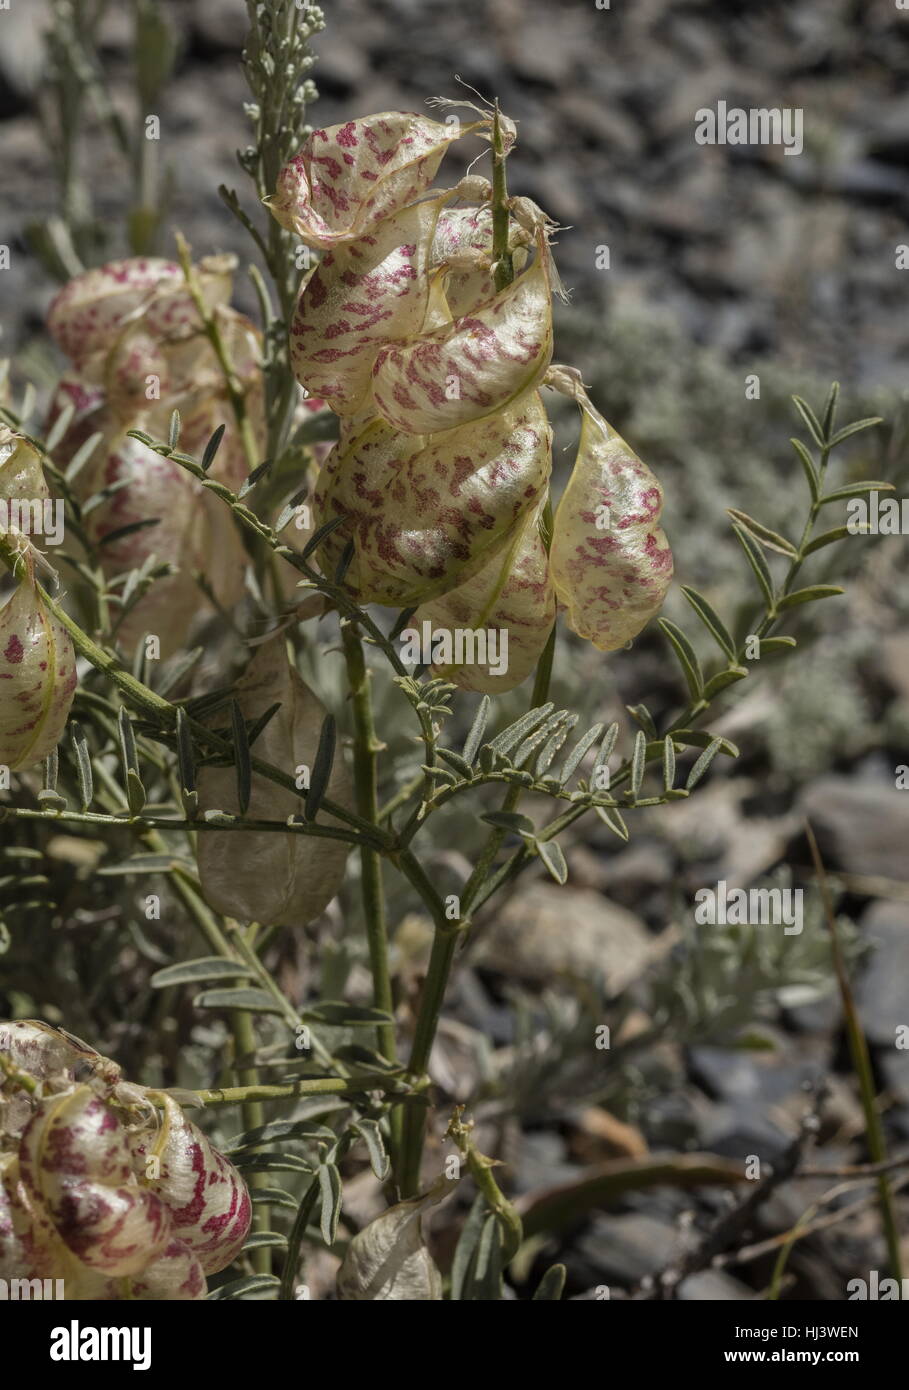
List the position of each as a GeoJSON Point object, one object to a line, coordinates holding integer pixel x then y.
{"type": "Point", "coordinates": [441, 475]}
{"type": "Point", "coordinates": [103, 1184]}
{"type": "Point", "coordinates": [138, 347]}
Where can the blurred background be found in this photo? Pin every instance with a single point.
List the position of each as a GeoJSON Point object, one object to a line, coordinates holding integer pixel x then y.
{"type": "Point", "coordinates": [724, 263]}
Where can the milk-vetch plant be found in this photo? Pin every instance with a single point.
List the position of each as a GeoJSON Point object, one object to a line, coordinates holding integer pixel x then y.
{"type": "Point", "coordinates": [379, 442]}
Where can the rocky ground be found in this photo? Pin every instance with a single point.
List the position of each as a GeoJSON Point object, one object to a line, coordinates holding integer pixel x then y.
{"type": "Point", "coordinates": [722, 262]}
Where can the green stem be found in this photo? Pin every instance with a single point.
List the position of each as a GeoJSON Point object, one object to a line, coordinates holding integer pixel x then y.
{"type": "Point", "coordinates": [366, 749]}
{"type": "Point", "coordinates": [503, 267]}
{"type": "Point", "coordinates": [253, 1112]}
{"type": "Point", "coordinates": [480, 1168]}
{"type": "Point", "coordinates": [212, 329]}
{"type": "Point", "coordinates": [309, 1086]}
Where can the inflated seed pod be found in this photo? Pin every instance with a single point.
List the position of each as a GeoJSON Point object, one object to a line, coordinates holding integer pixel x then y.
{"type": "Point", "coordinates": [207, 1199]}
{"type": "Point", "coordinates": [76, 1166]}
{"type": "Point", "coordinates": [504, 614]}
{"type": "Point", "coordinates": [259, 875]}
{"type": "Point", "coordinates": [37, 678]}
{"type": "Point", "coordinates": [104, 1184]}
{"type": "Point", "coordinates": [362, 295]}
{"type": "Point", "coordinates": [175, 1276]}
{"type": "Point", "coordinates": [193, 531]}
{"type": "Point", "coordinates": [610, 559]}
{"type": "Point", "coordinates": [426, 513]}
{"type": "Point", "coordinates": [389, 1260]}
{"type": "Point", "coordinates": [88, 315]}
{"type": "Point", "coordinates": [43, 1051]}
{"type": "Point", "coordinates": [349, 177]}
{"type": "Point", "coordinates": [473, 366]}
{"type": "Point", "coordinates": [27, 1250]}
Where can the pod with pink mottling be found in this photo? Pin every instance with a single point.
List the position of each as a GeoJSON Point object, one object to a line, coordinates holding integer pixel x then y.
{"type": "Point", "coordinates": [88, 401]}
{"type": "Point", "coordinates": [193, 531]}
{"type": "Point", "coordinates": [611, 562]}
{"type": "Point", "coordinates": [207, 1199]}
{"type": "Point", "coordinates": [43, 1051]}
{"type": "Point", "coordinates": [427, 513]}
{"type": "Point", "coordinates": [93, 307]}
{"type": "Point", "coordinates": [489, 633]}
{"type": "Point", "coordinates": [37, 678]}
{"type": "Point", "coordinates": [360, 297]}
{"type": "Point", "coordinates": [76, 1166]}
{"type": "Point", "coordinates": [27, 1248]}
{"type": "Point", "coordinates": [176, 1276]}
{"type": "Point", "coordinates": [463, 246]}
{"type": "Point", "coordinates": [474, 366]}
{"type": "Point", "coordinates": [346, 178]}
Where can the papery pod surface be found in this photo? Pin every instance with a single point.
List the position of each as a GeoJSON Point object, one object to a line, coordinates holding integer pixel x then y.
{"type": "Point", "coordinates": [388, 1260]}
{"type": "Point", "coordinates": [348, 177]}
{"type": "Point", "coordinates": [611, 562]}
{"type": "Point", "coordinates": [194, 532]}
{"type": "Point", "coordinates": [75, 1163]}
{"type": "Point", "coordinates": [89, 312]}
{"type": "Point", "coordinates": [207, 1199]}
{"type": "Point", "coordinates": [37, 678]}
{"type": "Point", "coordinates": [512, 595]}
{"type": "Point", "coordinates": [175, 1276]}
{"type": "Point", "coordinates": [285, 879]}
{"type": "Point", "coordinates": [44, 1051]}
{"type": "Point", "coordinates": [21, 475]}
{"type": "Point", "coordinates": [474, 366]}
{"type": "Point", "coordinates": [27, 1250]}
{"type": "Point", "coordinates": [463, 246]}
{"type": "Point", "coordinates": [361, 296]}
{"type": "Point", "coordinates": [427, 513]}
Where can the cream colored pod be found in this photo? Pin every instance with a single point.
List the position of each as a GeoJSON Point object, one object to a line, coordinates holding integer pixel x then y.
{"type": "Point", "coordinates": [104, 1185]}
{"type": "Point", "coordinates": [610, 559]}
{"type": "Point", "coordinates": [346, 178]}
{"type": "Point", "coordinates": [136, 339]}
{"type": "Point", "coordinates": [184, 527]}
{"type": "Point", "coordinates": [267, 876]}
{"type": "Point", "coordinates": [389, 1260]}
{"type": "Point", "coordinates": [37, 661]}
{"type": "Point", "coordinates": [426, 513]}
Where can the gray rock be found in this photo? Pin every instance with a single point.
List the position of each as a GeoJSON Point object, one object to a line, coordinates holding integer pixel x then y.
{"type": "Point", "coordinates": [21, 49]}
{"type": "Point", "coordinates": [221, 25]}
{"type": "Point", "coordinates": [861, 827]}
{"type": "Point", "coordinates": [714, 1286]}
{"type": "Point", "coordinates": [882, 993]}
{"type": "Point", "coordinates": [626, 1248]}
{"type": "Point", "coordinates": [546, 931]}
